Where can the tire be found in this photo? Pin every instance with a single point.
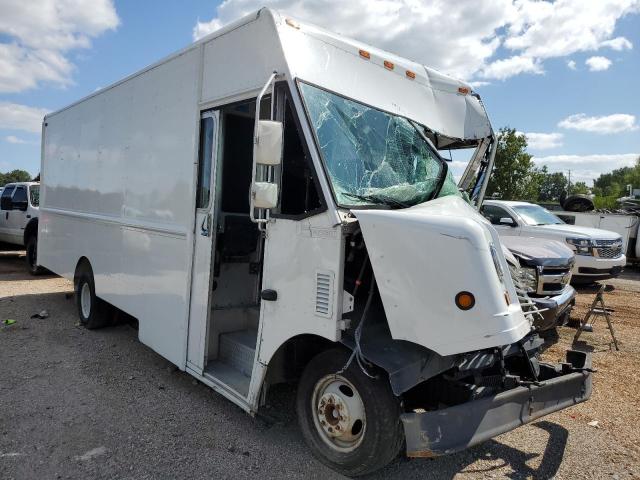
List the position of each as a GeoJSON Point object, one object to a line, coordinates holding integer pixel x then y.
{"type": "Point", "coordinates": [92, 311]}
{"type": "Point", "coordinates": [324, 396]}
{"type": "Point", "coordinates": [32, 256]}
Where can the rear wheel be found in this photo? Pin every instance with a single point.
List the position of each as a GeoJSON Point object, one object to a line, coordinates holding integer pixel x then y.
{"type": "Point", "coordinates": [93, 312]}
{"type": "Point", "coordinates": [32, 256]}
{"type": "Point", "coordinates": [351, 422]}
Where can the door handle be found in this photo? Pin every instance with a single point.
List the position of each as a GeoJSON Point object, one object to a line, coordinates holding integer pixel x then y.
{"type": "Point", "coordinates": [205, 228]}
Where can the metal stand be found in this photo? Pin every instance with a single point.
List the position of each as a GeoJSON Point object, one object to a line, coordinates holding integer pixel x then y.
{"type": "Point", "coordinates": [598, 308]}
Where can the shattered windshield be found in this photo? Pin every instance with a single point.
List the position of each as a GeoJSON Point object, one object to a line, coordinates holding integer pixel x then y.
{"type": "Point", "coordinates": [373, 157]}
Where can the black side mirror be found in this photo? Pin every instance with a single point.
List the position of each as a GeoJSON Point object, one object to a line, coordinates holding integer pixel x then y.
{"type": "Point", "coordinates": [5, 203]}
{"type": "Point", "coordinates": [20, 205]}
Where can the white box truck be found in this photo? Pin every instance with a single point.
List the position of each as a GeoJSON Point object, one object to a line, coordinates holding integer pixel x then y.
{"type": "Point", "coordinates": [270, 204]}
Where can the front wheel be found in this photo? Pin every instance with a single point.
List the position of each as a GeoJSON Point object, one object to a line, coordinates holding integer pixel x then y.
{"type": "Point", "coordinates": [350, 422]}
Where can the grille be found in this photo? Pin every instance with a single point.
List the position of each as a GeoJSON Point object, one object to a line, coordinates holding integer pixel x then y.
{"type": "Point", "coordinates": [324, 293]}
{"type": "Point", "coordinates": [609, 248]}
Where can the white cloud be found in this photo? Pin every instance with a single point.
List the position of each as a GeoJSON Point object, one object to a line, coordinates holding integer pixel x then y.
{"type": "Point", "coordinates": [41, 33]}
{"type": "Point", "coordinates": [618, 43]}
{"type": "Point", "coordinates": [543, 141]}
{"type": "Point", "coordinates": [479, 84]}
{"type": "Point", "coordinates": [571, 64]}
{"type": "Point", "coordinates": [508, 67]}
{"type": "Point", "coordinates": [615, 123]}
{"type": "Point", "coordinates": [459, 38]}
{"type": "Point", "coordinates": [21, 117]}
{"type": "Point", "coordinates": [586, 168]}
{"type": "Point", "coordinates": [14, 139]}
{"type": "Point", "coordinates": [597, 64]}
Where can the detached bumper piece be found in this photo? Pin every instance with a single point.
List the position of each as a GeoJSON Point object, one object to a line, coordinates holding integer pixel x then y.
{"type": "Point", "coordinates": [449, 430]}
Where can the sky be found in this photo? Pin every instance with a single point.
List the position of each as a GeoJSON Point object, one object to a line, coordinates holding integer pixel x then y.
{"type": "Point", "coordinates": [565, 73]}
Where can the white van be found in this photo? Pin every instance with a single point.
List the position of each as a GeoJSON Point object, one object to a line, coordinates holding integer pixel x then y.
{"type": "Point", "coordinates": [19, 207]}
{"type": "Point", "coordinates": [599, 253]}
{"type": "Point", "coordinates": [270, 204]}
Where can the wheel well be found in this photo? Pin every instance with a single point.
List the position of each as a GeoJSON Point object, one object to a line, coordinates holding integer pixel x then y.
{"type": "Point", "coordinates": [83, 265]}
{"type": "Point", "coordinates": [291, 358]}
{"type": "Point", "coordinates": [30, 229]}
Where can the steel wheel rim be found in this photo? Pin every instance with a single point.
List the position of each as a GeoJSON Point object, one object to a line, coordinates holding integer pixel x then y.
{"type": "Point", "coordinates": [85, 300]}
{"type": "Point", "coordinates": [338, 413]}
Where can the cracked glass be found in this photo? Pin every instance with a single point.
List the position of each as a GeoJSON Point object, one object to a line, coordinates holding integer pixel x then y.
{"type": "Point", "coordinates": [374, 157]}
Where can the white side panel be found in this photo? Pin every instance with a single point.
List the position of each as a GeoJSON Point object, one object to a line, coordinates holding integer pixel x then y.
{"type": "Point", "coordinates": [242, 59]}
{"type": "Point", "coordinates": [423, 257]}
{"type": "Point", "coordinates": [294, 252]}
{"type": "Point", "coordinates": [118, 188]}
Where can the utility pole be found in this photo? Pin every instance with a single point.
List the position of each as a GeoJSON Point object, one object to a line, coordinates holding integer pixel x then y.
{"type": "Point", "coordinates": [569, 183]}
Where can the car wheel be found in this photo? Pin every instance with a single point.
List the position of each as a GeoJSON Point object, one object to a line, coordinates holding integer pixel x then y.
{"type": "Point", "coordinates": [93, 312]}
{"type": "Point", "coordinates": [32, 256]}
{"type": "Point", "coordinates": [350, 422]}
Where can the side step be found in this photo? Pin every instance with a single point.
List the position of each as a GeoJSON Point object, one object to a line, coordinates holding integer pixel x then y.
{"type": "Point", "coordinates": [237, 349]}
{"type": "Point", "coordinates": [235, 360]}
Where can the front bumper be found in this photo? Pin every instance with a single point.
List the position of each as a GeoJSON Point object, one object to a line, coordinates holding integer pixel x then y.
{"type": "Point", "coordinates": [554, 308]}
{"type": "Point", "coordinates": [587, 268]}
{"type": "Point", "coordinates": [455, 428]}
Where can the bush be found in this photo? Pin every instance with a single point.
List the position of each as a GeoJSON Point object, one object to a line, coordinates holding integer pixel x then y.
{"type": "Point", "coordinates": [608, 203]}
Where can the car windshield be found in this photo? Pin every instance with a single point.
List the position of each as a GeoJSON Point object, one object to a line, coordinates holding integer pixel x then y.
{"type": "Point", "coordinates": [373, 157]}
{"type": "Point", "coordinates": [34, 193]}
{"type": "Point", "coordinates": [536, 215]}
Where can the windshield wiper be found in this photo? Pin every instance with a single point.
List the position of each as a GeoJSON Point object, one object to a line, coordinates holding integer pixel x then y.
{"type": "Point", "coordinates": [379, 200]}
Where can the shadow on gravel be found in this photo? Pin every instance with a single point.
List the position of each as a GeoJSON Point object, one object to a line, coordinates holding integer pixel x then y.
{"type": "Point", "coordinates": [499, 454]}
{"type": "Point", "coordinates": [13, 266]}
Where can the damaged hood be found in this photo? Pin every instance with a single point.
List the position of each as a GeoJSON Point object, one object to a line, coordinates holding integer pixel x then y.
{"type": "Point", "coordinates": [578, 231]}
{"type": "Point", "coordinates": [423, 257]}
{"type": "Point", "coordinates": [539, 251]}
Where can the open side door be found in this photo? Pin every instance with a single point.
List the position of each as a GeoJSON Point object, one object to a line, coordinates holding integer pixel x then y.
{"type": "Point", "coordinates": [203, 241]}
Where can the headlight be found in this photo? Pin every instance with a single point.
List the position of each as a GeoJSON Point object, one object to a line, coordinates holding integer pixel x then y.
{"type": "Point", "coordinates": [582, 246]}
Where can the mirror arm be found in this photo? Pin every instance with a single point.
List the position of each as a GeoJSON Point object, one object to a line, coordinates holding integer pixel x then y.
{"type": "Point", "coordinates": [260, 220]}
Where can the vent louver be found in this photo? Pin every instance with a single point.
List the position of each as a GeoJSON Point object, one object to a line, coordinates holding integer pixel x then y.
{"type": "Point", "coordinates": [324, 293]}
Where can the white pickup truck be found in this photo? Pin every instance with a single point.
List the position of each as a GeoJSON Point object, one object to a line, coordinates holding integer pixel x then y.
{"type": "Point", "coordinates": [598, 252]}
{"type": "Point", "coordinates": [19, 203]}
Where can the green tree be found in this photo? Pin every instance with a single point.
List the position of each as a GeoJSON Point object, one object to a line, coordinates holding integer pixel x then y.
{"type": "Point", "coordinates": [615, 183]}
{"type": "Point", "coordinates": [579, 188]}
{"type": "Point", "coordinates": [514, 176]}
{"type": "Point", "coordinates": [551, 185]}
{"type": "Point", "coordinates": [14, 176]}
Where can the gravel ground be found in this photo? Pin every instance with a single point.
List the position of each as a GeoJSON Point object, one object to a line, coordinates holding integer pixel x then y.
{"type": "Point", "coordinates": [98, 404]}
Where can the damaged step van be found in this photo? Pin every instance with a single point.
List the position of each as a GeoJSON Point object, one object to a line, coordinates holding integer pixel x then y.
{"type": "Point", "coordinates": [271, 206]}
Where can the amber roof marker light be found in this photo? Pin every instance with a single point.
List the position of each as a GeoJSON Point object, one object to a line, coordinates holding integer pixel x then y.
{"type": "Point", "coordinates": [465, 300]}
{"type": "Point", "coordinates": [365, 54]}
